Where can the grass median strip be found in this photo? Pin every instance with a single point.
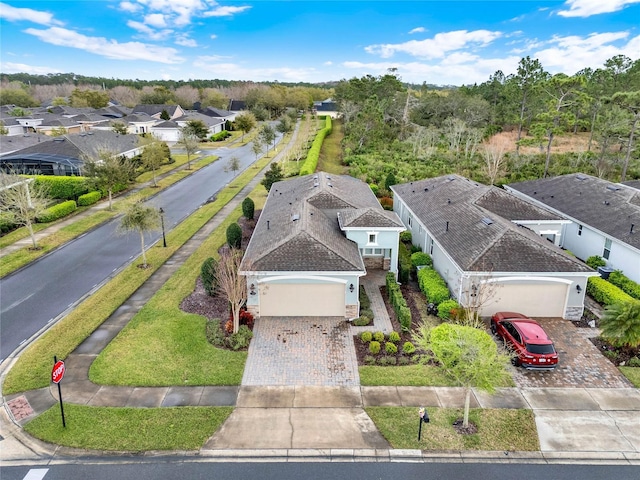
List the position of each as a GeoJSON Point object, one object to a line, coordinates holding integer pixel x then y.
{"type": "Point", "coordinates": [632, 374]}
{"type": "Point", "coordinates": [33, 368]}
{"type": "Point", "coordinates": [498, 429]}
{"type": "Point", "coordinates": [409, 375]}
{"type": "Point", "coordinates": [129, 429]}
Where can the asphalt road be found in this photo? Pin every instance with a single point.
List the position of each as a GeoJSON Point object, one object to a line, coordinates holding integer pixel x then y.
{"type": "Point", "coordinates": [36, 295]}
{"type": "Point", "coordinates": [159, 469]}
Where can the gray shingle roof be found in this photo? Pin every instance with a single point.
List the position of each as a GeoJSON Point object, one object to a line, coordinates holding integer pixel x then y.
{"type": "Point", "coordinates": [633, 184]}
{"type": "Point", "coordinates": [368, 217]}
{"type": "Point", "coordinates": [608, 207]}
{"type": "Point", "coordinates": [452, 208]}
{"type": "Point", "coordinates": [154, 109]}
{"type": "Point", "coordinates": [298, 228]}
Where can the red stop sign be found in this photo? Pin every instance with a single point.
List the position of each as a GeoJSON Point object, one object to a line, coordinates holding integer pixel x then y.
{"type": "Point", "coordinates": [58, 372]}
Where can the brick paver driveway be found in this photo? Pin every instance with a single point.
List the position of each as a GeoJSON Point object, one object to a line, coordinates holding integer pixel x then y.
{"type": "Point", "coordinates": [301, 351]}
{"type": "Point", "coordinates": [581, 364]}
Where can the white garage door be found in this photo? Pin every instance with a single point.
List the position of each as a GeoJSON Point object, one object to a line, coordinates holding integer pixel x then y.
{"type": "Point", "coordinates": [533, 299]}
{"type": "Point", "coordinates": [302, 300]}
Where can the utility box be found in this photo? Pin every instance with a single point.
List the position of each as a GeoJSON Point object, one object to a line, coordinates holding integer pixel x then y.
{"type": "Point", "coordinates": [605, 272]}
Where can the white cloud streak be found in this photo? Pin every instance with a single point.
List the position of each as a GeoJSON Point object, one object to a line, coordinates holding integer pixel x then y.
{"type": "Point", "coordinates": [417, 30]}
{"type": "Point", "coordinates": [438, 46]}
{"type": "Point", "coordinates": [225, 11]}
{"type": "Point", "coordinates": [587, 8]}
{"type": "Point", "coordinates": [9, 67]}
{"type": "Point", "coordinates": [233, 71]}
{"type": "Point", "coordinates": [107, 48]}
{"type": "Point", "coordinates": [14, 14]}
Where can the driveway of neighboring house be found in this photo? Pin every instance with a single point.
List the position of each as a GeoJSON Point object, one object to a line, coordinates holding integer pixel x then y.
{"type": "Point", "coordinates": [581, 363]}
{"type": "Point", "coordinates": [301, 351]}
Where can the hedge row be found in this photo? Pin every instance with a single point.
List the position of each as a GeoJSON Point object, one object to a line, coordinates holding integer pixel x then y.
{"type": "Point", "coordinates": [625, 284]}
{"type": "Point", "coordinates": [404, 263]}
{"type": "Point", "coordinates": [419, 259]}
{"type": "Point", "coordinates": [89, 198]}
{"type": "Point", "coordinates": [57, 211]}
{"type": "Point", "coordinates": [220, 136]}
{"type": "Point", "coordinates": [311, 163]}
{"type": "Point", "coordinates": [606, 293]}
{"type": "Point", "coordinates": [63, 188]}
{"type": "Point", "coordinates": [433, 286]}
{"type": "Point", "coordinates": [447, 309]}
{"type": "Point", "coordinates": [398, 302]}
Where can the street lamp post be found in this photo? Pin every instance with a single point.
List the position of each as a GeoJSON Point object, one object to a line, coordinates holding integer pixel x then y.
{"type": "Point", "coordinates": [164, 238]}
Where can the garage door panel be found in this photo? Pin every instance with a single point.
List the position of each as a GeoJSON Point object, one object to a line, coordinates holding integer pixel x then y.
{"type": "Point", "coordinates": [302, 300]}
{"type": "Point", "coordinates": [534, 300]}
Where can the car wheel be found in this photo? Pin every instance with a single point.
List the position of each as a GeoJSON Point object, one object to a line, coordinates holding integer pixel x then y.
{"type": "Point", "coordinates": [494, 329]}
{"type": "Point", "coordinates": [515, 361]}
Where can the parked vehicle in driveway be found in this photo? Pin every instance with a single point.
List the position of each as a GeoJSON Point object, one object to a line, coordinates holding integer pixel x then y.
{"type": "Point", "coordinates": [531, 346]}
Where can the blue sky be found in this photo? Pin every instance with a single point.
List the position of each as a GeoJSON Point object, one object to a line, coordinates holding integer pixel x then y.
{"type": "Point", "coordinates": [439, 42]}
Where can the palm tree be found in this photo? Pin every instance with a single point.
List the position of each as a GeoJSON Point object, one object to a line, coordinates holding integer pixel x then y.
{"type": "Point", "coordinates": [620, 324]}
{"type": "Point", "coordinates": [140, 218]}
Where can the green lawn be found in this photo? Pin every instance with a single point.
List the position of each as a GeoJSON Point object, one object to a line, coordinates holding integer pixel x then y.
{"type": "Point", "coordinates": [410, 375]}
{"type": "Point", "coordinates": [330, 159]}
{"type": "Point", "coordinates": [129, 429]}
{"type": "Point", "coordinates": [498, 429]}
{"type": "Point", "coordinates": [633, 374]}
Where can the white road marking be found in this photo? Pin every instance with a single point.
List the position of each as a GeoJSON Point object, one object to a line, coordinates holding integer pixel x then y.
{"type": "Point", "coordinates": [18, 302]}
{"type": "Point", "coordinates": [36, 474]}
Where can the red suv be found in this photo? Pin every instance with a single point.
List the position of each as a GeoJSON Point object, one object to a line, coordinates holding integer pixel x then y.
{"type": "Point", "coordinates": [532, 347]}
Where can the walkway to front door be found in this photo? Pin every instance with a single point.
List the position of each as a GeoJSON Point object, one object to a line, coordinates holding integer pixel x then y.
{"type": "Point", "coordinates": [301, 351]}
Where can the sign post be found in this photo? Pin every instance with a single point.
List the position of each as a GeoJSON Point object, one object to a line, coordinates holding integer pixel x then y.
{"type": "Point", "coordinates": [56, 377]}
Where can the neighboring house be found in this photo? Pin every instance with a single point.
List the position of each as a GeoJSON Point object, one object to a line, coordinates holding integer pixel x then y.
{"type": "Point", "coordinates": [11, 125]}
{"type": "Point", "coordinates": [51, 122]}
{"type": "Point", "coordinates": [494, 250]}
{"type": "Point", "coordinates": [316, 236]}
{"type": "Point", "coordinates": [65, 155]}
{"type": "Point", "coordinates": [214, 124]}
{"type": "Point", "coordinates": [326, 107]}
{"type": "Point", "coordinates": [155, 111]}
{"type": "Point", "coordinates": [167, 131]}
{"type": "Point", "coordinates": [225, 115]}
{"type": "Point", "coordinates": [237, 105]}
{"type": "Point", "coordinates": [139, 123]}
{"type": "Point", "coordinates": [13, 143]}
{"type": "Point", "coordinates": [605, 217]}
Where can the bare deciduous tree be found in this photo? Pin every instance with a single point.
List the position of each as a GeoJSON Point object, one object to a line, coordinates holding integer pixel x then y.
{"type": "Point", "coordinates": [230, 283]}
{"type": "Point", "coordinates": [22, 200]}
{"type": "Point", "coordinates": [493, 152]}
{"type": "Point", "coordinates": [189, 142]}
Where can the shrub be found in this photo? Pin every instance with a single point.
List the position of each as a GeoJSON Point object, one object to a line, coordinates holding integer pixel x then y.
{"type": "Point", "coordinates": [387, 360]}
{"type": "Point", "coordinates": [394, 337]}
{"type": "Point", "coordinates": [89, 198]}
{"type": "Point", "coordinates": [366, 337]}
{"type": "Point", "coordinates": [241, 338]}
{"type": "Point", "coordinates": [374, 347]}
{"type": "Point", "coordinates": [361, 321]}
{"type": "Point", "coordinates": [634, 362]}
{"type": "Point", "coordinates": [404, 361]}
{"type": "Point", "coordinates": [620, 324]}
{"type": "Point", "coordinates": [386, 203]}
{"type": "Point", "coordinates": [246, 318]}
{"type": "Point", "coordinates": [248, 208]}
{"type": "Point", "coordinates": [404, 263]}
{"type": "Point", "coordinates": [378, 336]}
{"type": "Point", "coordinates": [398, 302]}
{"type": "Point", "coordinates": [369, 360]}
{"type": "Point", "coordinates": [365, 302]}
{"type": "Point", "coordinates": [433, 286]}
{"type": "Point", "coordinates": [405, 236]}
{"type": "Point", "coordinates": [228, 326]}
{"type": "Point", "coordinates": [374, 188]}
{"type": "Point", "coordinates": [208, 275]}
{"type": "Point", "coordinates": [419, 259]}
{"type": "Point", "coordinates": [57, 211]}
{"type": "Point", "coordinates": [604, 292]}
{"type": "Point", "coordinates": [214, 332]}
{"type": "Point", "coordinates": [610, 354]}
{"type": "Point", "coordinates": [595, 261]}
{"type": "Point", "coordinates": [448, 309]}
{"type": "Point", "coordinates": [625, 284]}
{"type": "Point", "coordinates": [63, 188]}
{"type": "Point", "coordinates": [408, 348]}
{"type": "Point", "coordinates": [234, 235]}
{"type": "Point", "coordinates": [220, 136]}
{"type": "Point", "coordinates": [311, 163]}
{"type": "Point", "coordinates": [367, 312]}
{"type": "Point", "coordinates": [390, 348]}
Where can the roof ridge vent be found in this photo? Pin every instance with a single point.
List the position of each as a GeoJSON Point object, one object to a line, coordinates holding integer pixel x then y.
{"type": "Point", "coordinates": [613, 188]}
{"type": "Point", "coordinates": [487, 221]}
{"type": "Point", "coordinates": [295, 217]}
{"type": "Point", "coordinates": [580, 177]}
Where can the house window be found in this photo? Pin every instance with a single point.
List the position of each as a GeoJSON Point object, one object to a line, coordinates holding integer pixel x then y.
{"type": "Point", "coordinates": [409, 221]}
{"type": "Point", "coordinates": [430, 246]}
{"type": "Point", "coordinates": [607, 249]}
{"type": "Point", "coordinates": [372, 238]}
{"type": "Point", "coordinates": [579, 230]}
{"type": "Point", "coordinates": [374, 252]}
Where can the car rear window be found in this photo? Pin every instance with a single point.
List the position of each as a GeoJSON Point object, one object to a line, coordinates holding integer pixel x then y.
{"type": "Point", "coordinates": [540, 349]}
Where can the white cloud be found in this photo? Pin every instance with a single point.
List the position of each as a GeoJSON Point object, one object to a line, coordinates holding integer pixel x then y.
{"type": "Point", "coordinates": [155, 20]}
{"type": "Point", "coordinates": [225, 11]}
{"type": "Point", "coordinates": [106, 48]}
{"type": "Point", "coordinates": [185, 41]}
{"type": "Point", "coordinates": [213, 36]}
{"type": "Point", "coordinates": [587, 8]}
{"type": "Point", "coordinates": [13, 14]}
{"type": "Point", "coordinates": [233, 71]}
{"type": "Point", "coordinates": [417, 30]}
{"type": "Point", "coordinates": [211, 58]}
{"type": "Point", "coordinates": [148, 31]}
{"type": "Point", "coordinates": [328, 63]}
{"type": "Point", "coordinates": [572, 53]}
{"type": "Point", "coordinates": [438, 46]}
{"type": "Point", "coordinates": [130, 7]}
{"type": "Point", "coordinates": [9, 67]}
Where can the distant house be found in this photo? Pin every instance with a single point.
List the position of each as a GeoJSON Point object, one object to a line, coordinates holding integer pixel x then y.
{"type": "Point", "coordinates": [65, 155]}
{"type": "Point", "coordinates": [316, 236]}
{"type": "Point", "coordinates": [484, 240]}
{"type": "Point", "coordinates": [11, 125]}
{"type": "Point", "coordinates": [225, 115]}
{"type": "Point", "coordinates": [326, 107]}
{"type": "Point", "coordinates": [605, 217]}
{"type": "Point", "coordinates": [237, 105]}
{"type": "Point", "coordinates": [155, 110]}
